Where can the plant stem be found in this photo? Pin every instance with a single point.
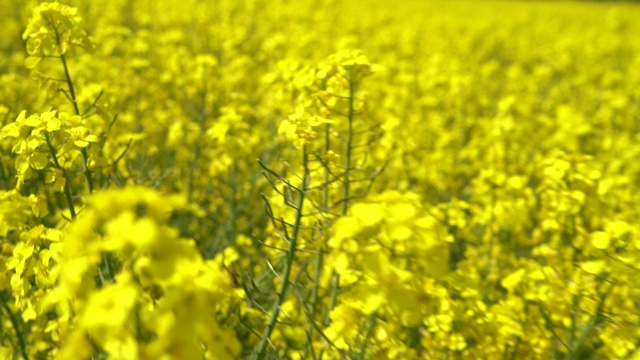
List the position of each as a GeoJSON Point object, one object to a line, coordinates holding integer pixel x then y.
{"type": "Point", "coordinates": [314, 302]}
{"type": "Point", "coordinates": [335, 285]}
{"type": "Point", "coordinates": [371, 324]}
{"type": "Point", "coordinates": [67, 191]}
{"type": "Point", "coordinates": [259, 352]}
{"type": "Point", "coordinates": [345, 188]}
{"type": "Point", "coordinates": [16, 326]}
{"type": "Point", "coordinates": [320, 257]}
{"type": "Point", "coordinates": [74, 102]}
{"type": "Point", "coordinates": [72, 91]}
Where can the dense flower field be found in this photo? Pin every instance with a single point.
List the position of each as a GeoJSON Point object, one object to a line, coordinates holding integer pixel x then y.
{"type": "Point", "coordinates": [274, 179]}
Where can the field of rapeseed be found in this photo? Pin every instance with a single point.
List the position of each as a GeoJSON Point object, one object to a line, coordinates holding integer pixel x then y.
{"type": "Point", "coordinates": [275, 179]}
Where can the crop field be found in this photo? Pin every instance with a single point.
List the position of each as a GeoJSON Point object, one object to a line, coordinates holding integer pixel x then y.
{"type": "Point", "coordinates": [318, 179]}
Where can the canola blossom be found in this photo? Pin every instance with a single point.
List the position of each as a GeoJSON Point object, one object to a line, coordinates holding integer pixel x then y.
{"type": "Point", "coordinates": [319, 180]}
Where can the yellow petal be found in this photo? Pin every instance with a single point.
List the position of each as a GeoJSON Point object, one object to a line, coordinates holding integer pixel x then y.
{"type": "Point", "coordinates": [39, 161]}
{"type": "Point", "coordinates": [600, 239]}
{"type": "Point", "coordinates": [593, 267]}
{"type": "Point", "coordinates": [512, 280]}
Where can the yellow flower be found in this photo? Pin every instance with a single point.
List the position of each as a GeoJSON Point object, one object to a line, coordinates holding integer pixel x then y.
{"type": "Point", "coordinates": [600, 240]}
{"type": "Point", "coordinates": [344, 326]}
{"type": "Point", "coordinates": [300, 127]}
{"type": "Point", "coordinates": [54, 30]}
{"type": "Point", "coordinates": [108, 309]}
{"type": "Point", "coordinates": [512, 280]}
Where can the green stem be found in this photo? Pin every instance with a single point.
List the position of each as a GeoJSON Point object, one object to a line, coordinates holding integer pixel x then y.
{"type": "Point", "coordinates": [259, 352]}
{"type": "Point", "coordinates": [587, 329]}
{"type": "Point", "coordinates": [67, 191]}
{"type": "Point", "coordinates": [320, 257]}
{"type": "Point", "coordinates": [314, 303]}
{"type": "Point", "coordinates": [316, 285]}
{"type": "Point", "coordinates": [72, 91]}
{"type": "Point", "coordinates": [4, 176]}
{"type": "Point", "coordinates": [83, 151]}
{"type": "Point", "coordinates": [371, 325]}
{"type": "Point", "coordinates": [335, 285]}
{"type": "Point", "coordinates": [14, 322]}
{"type": "Point", "coordinates": [345, 187]}
{"type": "Point", "coordinates": [74, 102]}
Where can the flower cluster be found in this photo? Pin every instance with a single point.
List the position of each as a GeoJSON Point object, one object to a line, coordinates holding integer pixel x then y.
{"type": "Point", "coordinates": [300, 127]}
{"type": "Point", "coordinates": [375, 250]}
{"type": "Point", "coordinates": [54, 31]}
{"type": "Point", "coordinates": [155, 295]}
{"type": "Point", "coordinates": [49, 143]}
